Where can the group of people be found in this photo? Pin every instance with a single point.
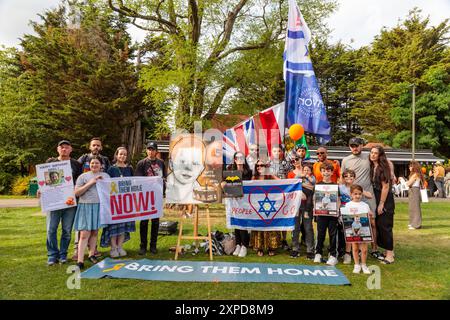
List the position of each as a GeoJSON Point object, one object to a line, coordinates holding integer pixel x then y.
{"type": "Point", "coordinates": [85, 217]}
{"type": "Point", "coordinates": [363, 180]}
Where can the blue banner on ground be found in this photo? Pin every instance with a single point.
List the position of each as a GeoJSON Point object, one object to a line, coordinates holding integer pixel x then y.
{"type": "Point", "coordinates": [206, 271]}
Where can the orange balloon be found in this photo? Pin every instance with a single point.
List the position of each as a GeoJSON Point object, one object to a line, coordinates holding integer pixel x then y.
{"type": "Point", "coordinates": [296, 131]}
{"type": "Point", "coordinates": [424, 170]}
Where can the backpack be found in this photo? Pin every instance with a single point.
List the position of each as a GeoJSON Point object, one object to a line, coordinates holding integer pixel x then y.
{"type": "Point", "coordinates": [217, 248]}
{"type": "Point", "coordinates": [229, 244]}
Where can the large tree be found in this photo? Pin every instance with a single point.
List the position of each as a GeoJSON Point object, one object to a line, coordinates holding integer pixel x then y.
{"type": "Point", "coordinates": [75, 79]}
{"type": "Point", "coordinates": [202, 40]}
{"type": "Point", "coordinates": [411, 53]}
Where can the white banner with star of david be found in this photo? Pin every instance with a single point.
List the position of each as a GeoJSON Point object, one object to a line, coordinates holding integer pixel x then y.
{"type": "Point", "coordinates": [267, 205]}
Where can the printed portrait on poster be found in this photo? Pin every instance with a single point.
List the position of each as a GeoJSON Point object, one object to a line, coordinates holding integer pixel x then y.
{"type": "Point", "coordinates": [325, 199]}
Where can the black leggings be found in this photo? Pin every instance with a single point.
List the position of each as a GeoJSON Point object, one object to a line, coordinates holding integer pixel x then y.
{"type": "Point", "coordinates": [385, 236]}
{"type": "Point", "coordinates": [242, 237]}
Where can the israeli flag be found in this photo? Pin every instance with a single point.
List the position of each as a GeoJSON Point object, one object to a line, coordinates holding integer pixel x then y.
{"type": "Point", "coordinates": [267, 205]}
{"type": "Point", "coordinates": [303, 100]}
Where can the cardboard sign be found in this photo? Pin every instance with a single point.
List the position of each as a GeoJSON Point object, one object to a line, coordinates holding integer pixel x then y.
{"type": "Point", "coordinates": [325, 200]}
{"type": "Point", "coordinates": [357, 226]}
{"type": "Point", "coordinates": [130, 199]}
{"type": "Point", "coordinates": [56, 185]}
{"type": "Point", "coordinates": [233, 187]}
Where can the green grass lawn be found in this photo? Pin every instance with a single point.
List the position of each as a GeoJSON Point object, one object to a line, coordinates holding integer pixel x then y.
{"type": "Point", "coordinates": [421, 269]}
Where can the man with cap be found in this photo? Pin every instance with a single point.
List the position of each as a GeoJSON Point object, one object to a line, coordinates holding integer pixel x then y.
{"type": "Point", "coordinates": [66, 216]}
{"type": "Point", "coordinates": [148, 167]}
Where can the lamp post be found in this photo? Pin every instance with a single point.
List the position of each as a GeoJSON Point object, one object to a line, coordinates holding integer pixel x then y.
{"type": "Point", "coordinates": [413, 122]}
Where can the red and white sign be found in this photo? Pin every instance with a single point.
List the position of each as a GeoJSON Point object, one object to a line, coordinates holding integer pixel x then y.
{"type": "Point", "coordinates": [130, 199]}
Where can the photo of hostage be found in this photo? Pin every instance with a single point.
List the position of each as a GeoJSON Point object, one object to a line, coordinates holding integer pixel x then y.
{"type": "Point", "coordinates": [356, 226]}
{"type": "Point", "coordinates": [53, 178]}
{"type": "Point", "coordinates": [326, 201]}
{"type": "Point", "coordinates": [186, 163]}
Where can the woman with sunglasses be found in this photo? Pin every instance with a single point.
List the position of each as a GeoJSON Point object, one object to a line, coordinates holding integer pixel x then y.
{"type": "Point", "coordinates": [242, 236]}
{"type": "Point", "coordinates": [384, 216]}
{"type": "Point", "coordinates": [265, 240]}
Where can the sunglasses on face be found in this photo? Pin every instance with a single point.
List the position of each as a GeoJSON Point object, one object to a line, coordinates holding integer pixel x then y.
{"type": "Point", "coordinates": [239, 158]}
{"type": "Point", "coordinates": [349, 176]}
{"type": "Point", "coordinates": [260, 165]}
{"type": "Point", "coordinates": [320, 152]}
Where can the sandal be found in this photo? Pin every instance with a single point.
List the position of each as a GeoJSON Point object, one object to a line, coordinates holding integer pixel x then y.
{"type": "Point", "coordinates": [93, 259]}
{"type": "Point", "coordinates": [271, 253]}
{"type": "Point", "coordinates": [260, 253]}
{"type": "Point", "coordinates": [385, 261]}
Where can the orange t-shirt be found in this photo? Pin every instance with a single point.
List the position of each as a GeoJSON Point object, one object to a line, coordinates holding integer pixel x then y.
{"type": "Point", "coordinates": [336, 171]}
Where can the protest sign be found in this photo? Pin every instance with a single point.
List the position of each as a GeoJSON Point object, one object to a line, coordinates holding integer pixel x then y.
{"type": "Point", "coordinates": [267, 205]}
{"type": "Point", "coordinates": [232, 187]}
{"type": "Point", "coordinates": [130, 199]}
{"type": "Point", "coordinates": [56, 185]}
{"type": "Point", "coordinates": [325, 200]}
{"type": "Point", "coordinates": [356, 225]}
{"type": "Point", "coordinates": [206, 271]}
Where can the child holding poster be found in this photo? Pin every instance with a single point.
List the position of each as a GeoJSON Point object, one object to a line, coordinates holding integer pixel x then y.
{"type": "Point", "coordinates": [326, 210]}
{"type": "Point", "coordinates": [356, 206]}
{"type": "Point", "coordinates": [87, 218]}
{"type": "Point", "coordinates": [115, 235]}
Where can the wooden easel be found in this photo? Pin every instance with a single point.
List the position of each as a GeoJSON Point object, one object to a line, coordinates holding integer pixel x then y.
{"type": "Point", "coordinates": [195, 236]}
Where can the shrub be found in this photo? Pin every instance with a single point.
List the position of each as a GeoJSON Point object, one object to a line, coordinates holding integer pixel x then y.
{"type": "Point", "coordinates": [20, 185]}
{"type": "Point", "coordinates": [5, 182]}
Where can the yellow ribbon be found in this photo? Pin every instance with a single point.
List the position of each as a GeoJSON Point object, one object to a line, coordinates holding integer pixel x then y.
{"type": "Point", "coordinates": [114, 188]}
{"type": "Point", "coordinates": [115, 268]}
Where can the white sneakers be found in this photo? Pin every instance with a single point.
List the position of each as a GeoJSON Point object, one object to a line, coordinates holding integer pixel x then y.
{"type": "Point", "coordinates": [240, 251]}
{"type": "Point", "coordinates": [317, 258]}
{"type": "Point", "coordinates": [114, 253]}
{"type": "Point", "coordinates": [347, 258]}
{"type": "Point", "coordinates": [117, 252]}
{"type": "Point", "coordinates": [358, 267]}
{"type": "Point", "coordinates": [332, 261]}
{"type": "Point", "coordinates": [243, 252]}
{"type": "Point", "coordinates": [365, 269]}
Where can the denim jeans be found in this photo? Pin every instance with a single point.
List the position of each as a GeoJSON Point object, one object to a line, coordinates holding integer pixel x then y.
{"type": "Point", "coordinates": [66, 216]}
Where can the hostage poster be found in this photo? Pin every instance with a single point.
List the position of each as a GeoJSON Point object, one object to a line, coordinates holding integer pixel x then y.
{"type": "Point", "coordinates": [130, 199]}
{"type": "Point", "coordinates": [325, 200]}
{"type": "Point", "coordinates": [356, 225]}
{"type": "Point", "coordinates": [56, 185]}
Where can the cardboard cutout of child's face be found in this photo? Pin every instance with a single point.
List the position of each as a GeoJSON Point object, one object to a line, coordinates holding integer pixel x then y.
{"type": "Point", "coordinates": [188, 165]}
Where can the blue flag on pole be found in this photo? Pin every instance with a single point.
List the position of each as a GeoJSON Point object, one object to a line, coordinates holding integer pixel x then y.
{"type": "Point", "coordinates": [303, 100]}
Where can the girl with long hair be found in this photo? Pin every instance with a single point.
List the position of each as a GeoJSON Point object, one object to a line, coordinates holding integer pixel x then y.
{"type": "Point", "coordinates": [415, 181]}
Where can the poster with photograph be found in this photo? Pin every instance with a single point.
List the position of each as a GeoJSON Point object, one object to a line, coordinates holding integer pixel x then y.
{"type": "Point", "coordinates": [356, 225]}
{"type": "Point", "coordinates": [325, 200]}
{"type": "Point", "coordinates": [192, 177]}
{"type": "Point", "coordinates": [232, 184]}
{"type": "Point", "coordinates": [56, 185]}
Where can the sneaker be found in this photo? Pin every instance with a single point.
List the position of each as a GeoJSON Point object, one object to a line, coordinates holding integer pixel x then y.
{"type": "Point", "coordinates": [52, 262]}
{"type": "Point", "coordinates": [237, 250]}
{"type": "Point", "coordinates": [294, 254]}
{"type": "Point", "coordinates": [114, 253]}
{"type": "Point", "coordinates": [122, 252]}
{"type": "Point", "coordinates": [317, 258]}
{"type": "Point", "coordinates": [365, 269]}
{"type": "Point", "coordinates": [142, 251]}
{"type": "Point", "coordinates": [347, 258]}
{"type": "Point", "coordinates": [63, 260]}
{"type": "Point", "coordinates": [411, 228]}
{"type": "Point", "coordinates": [93, 259]}
{"type": "Point", "coordinates": [97, 254]}
{"type": "Point", "coordinates": [243, 252]}
{"type": "Point", "coordinates": [310, 256]}
{"type": "Point", "coordinates": [332, 261]}
{"type": "Point", "coordinates": [357, 268]}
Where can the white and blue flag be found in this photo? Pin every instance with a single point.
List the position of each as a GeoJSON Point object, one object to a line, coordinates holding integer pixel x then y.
{"type": "Point", "coordinates": [303, 100]}
{"type": "Point", "coordinates": [267, 205]}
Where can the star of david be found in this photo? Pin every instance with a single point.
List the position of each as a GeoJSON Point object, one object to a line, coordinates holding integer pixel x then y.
{"type": "Point", "coordinates": [267, 206]}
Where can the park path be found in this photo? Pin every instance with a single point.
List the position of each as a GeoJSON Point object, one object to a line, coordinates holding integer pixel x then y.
{"type": "Point", "coordinates": [19, 203]}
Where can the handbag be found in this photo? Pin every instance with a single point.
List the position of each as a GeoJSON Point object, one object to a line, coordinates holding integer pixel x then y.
{"type": "Point", "coordinates": [423, 193]}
